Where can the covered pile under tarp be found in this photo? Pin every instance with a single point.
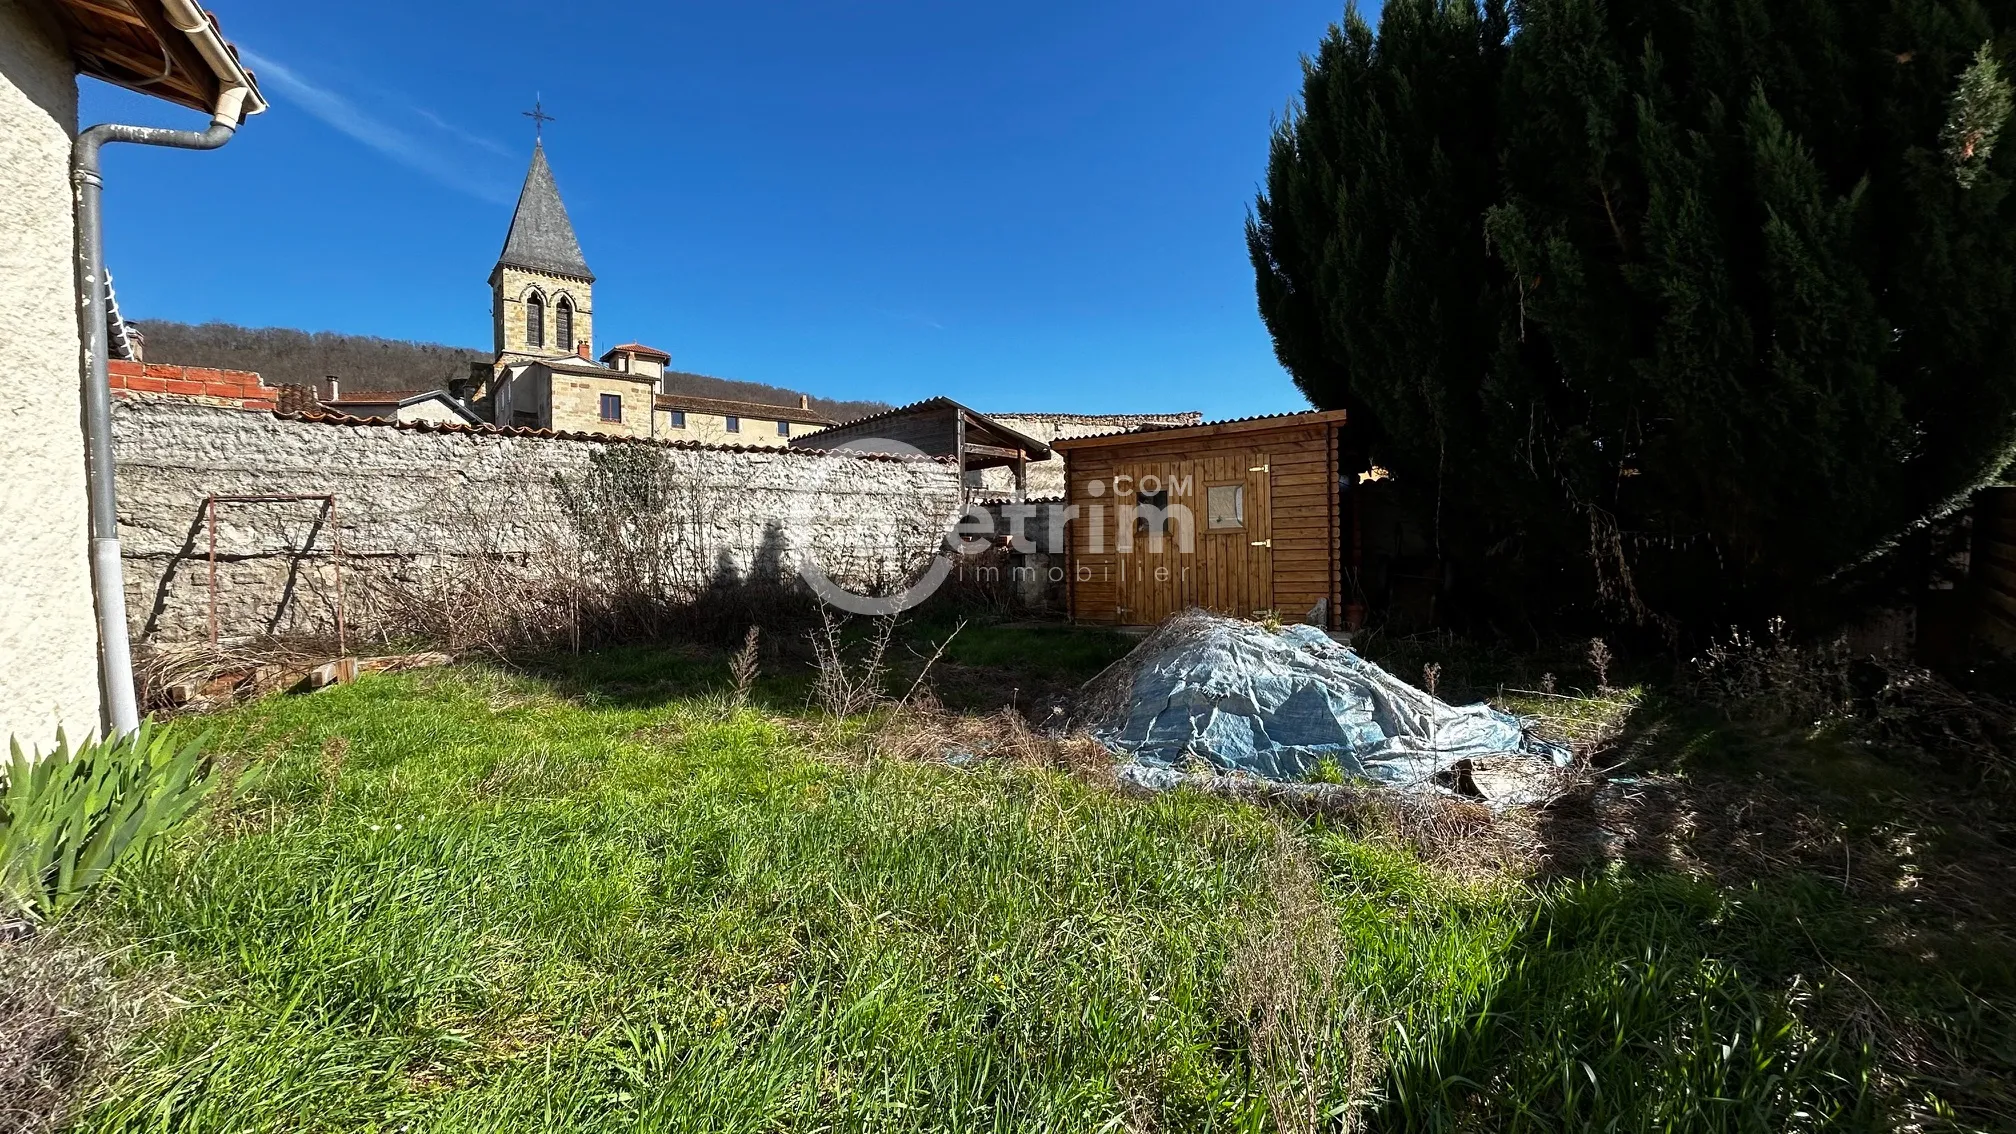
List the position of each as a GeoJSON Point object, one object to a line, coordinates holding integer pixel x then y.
{"type": "Point", "coordinates": [1275, 703]}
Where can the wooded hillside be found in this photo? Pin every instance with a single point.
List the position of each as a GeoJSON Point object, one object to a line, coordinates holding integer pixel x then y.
{"type": "Point", "coordinates": [365, 362]}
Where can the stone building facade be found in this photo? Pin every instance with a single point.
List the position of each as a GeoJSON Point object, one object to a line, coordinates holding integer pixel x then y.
{"type": "Point", "coordinates": [724, 421]}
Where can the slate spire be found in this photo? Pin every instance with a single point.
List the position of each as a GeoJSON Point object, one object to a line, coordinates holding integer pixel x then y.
{"type": "Point", "coordinates": [542, 238]}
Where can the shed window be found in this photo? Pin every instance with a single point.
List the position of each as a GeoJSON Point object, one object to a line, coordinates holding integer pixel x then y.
{"type": "Point", "coordinates": [612, 407]}
{"type": "Point", "coordinates": [734, 424]}
{"type": "Point", "coordinates": [563, 324]}
{"type": "Point", "coordinates": [1225, 506]}
{"type": "Point", "coordinates": [1153, 504]}
{"type": "Point", "coordinates": [678, 418]}
{"type": "Point", "coordinates": [535, 320]}
{"type": "Point", "coordinates": [783, 429]}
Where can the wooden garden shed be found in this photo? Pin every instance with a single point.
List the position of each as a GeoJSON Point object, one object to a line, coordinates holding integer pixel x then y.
{"type": "Point", "coordinates": [1236, 517]}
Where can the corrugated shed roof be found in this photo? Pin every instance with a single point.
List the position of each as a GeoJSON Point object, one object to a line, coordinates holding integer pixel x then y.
{"type": "Point", "coordinates": [1070, 443]}
{"type": "Point", "coordinates": [1185, 417]}
{"type": "Point", "coordinates": [939, 402]}
{"type": "Point", "coordinates": [1154, 427]}
{"type": "Point", "coordinates": [542, 237]}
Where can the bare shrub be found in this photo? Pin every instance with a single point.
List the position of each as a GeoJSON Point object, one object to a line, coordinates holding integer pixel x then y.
{"type": "Point", "coordinates": [1599, 662]}
{"type": "Point", "coordinates": [1776, 681]}
{"type": "Point", "coordinates": [746, 665]}
{"type": "Point", "coordinates": [855, 677]}
{"type": "Point", "coordinates": [851, 679]}
{"type": "Point", "coordinates": [1305, 1035]}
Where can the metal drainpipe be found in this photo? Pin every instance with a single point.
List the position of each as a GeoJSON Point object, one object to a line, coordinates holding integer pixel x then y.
{"type": "Point", "coordinates": [108, 576]}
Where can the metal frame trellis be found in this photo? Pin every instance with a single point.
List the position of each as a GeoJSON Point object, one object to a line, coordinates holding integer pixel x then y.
{"type": "Point", "coordinates": [328, 500]}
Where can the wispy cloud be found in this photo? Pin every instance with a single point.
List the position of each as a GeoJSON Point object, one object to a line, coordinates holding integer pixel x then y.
{"type": "Point", "coordinates": [395, 143]}
{"type": "Point", "coordinates": [915, 318]}
{"type": "Point", "coordinates": [474, 139]}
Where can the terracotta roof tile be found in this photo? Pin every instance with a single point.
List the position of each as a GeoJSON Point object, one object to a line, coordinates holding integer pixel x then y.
{"type": "Point", "coordinates": [571, 435]}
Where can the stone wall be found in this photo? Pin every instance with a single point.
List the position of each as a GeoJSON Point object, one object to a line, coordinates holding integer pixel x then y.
{"type": "Point", "coordinates": [48, 636]}
{"type": "Point", "coordinates": [1046, 478]}
{"type": "Point", "coordinates": [418, 504]}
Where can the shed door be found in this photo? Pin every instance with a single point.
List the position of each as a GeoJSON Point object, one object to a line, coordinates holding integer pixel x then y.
{"type": "Point", "coordinates": [1214, 519]}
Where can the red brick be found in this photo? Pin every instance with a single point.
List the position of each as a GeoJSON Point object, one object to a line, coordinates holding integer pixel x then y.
{"type": "Point", "coordinates": [205, 374]}
{"type": "Point", "coordinates": [267, 404]}
{"type": "Point", "coordinates": [184, 386]}
{"type": "Point", "coordinates": [120, 368]}
{"type": "Point", "coordinates": [163, 370]}
{"type": "Point", "coordinates": [222, 389]}
{"type": "Point", "coordinates": [146, 385]}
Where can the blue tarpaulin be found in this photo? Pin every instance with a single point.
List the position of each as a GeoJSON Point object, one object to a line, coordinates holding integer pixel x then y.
{"type": "Point", "coordinates": [1274, 703]}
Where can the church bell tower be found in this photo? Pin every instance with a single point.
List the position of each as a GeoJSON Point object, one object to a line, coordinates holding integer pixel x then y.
{"type": "Point", "coordinates": [542, 294]}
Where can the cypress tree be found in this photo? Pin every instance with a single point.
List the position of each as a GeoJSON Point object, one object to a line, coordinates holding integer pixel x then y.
{"type": "Point", "coordinates": [1679, 309]}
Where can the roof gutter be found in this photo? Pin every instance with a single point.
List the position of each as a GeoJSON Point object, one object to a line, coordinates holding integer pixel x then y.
{"type": "Point", "coordinates": [191, 20]}
{"type": "Point", "coordinates": [108, 576]}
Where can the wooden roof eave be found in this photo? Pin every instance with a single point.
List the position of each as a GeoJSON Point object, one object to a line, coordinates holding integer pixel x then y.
{"type": "Point", "coordinates": [130, 43]}
{"type": "Point", "coordinates": [979, 424]}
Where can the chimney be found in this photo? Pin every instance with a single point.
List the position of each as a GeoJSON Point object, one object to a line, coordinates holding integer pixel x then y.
{"type": "Point", "coordinates": [332, 387]}
{"type": "Point", "coordinates": [805, 401]}
{"type": "Point", "coordinates": [582, 350]}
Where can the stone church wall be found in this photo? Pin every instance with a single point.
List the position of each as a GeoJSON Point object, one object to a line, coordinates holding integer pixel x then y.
{"type": "Point", "coordinates": [420, 507]}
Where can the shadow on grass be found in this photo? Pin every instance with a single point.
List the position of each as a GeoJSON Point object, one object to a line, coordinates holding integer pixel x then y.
{"type": "Point", "coordinates": [1640, 1002]}
{"type": "Point", "coordinates": [1862, 903]}
{"type": "Point", "coordinates": [653, 676]}
{"type": "Point", "coordinates": [984, 667]}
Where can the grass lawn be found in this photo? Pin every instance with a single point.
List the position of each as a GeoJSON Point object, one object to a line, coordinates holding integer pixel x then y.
{"type": "Point", "coordinates": [597, 896]}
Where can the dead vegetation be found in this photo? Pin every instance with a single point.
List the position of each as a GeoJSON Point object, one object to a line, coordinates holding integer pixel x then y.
{"type": "Point", "coordinates": [1774, 680]}
{"type": "Point", "coordinates": [63, 1015]}
{"type": "Point", "coordinates": [1281, 984]}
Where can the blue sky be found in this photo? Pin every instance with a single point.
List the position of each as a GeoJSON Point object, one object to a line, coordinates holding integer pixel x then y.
{"type": "Point", "coordinates": [1034, 206]}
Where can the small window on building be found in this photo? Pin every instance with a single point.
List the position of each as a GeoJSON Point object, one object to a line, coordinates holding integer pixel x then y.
{"type": "Point", "coordinates": [1153, 504]}
{"type": "Point", "coordinates": [612, 407]}
{"type": "Point", "coordinates": [734, 424]}
{"type": "Point", "coordinates": [563, 324]}
{"type": "Point", "coordinates": [1225, 507]}
{"type": "Point", "coordinates": [535, 320]}
{"type": "Point", "coordinates": [783, 429]}
{"type": "Point", "coordinates": [678, 418]}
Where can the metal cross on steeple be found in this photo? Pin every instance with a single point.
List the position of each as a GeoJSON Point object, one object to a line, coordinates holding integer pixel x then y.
{"type": "Point", "coordinates": [539, 118]}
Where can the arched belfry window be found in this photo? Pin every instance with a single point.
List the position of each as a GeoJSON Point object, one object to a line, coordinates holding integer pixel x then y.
{"type": "Point", "coordinates": [563, 324]}
{"type": "Point", "coordinates": [535, 320]}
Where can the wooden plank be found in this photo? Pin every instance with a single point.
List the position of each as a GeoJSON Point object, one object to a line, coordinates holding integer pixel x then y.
{"type": "Point", "coordinates": [109, 10]}
{"type": "Point", "coordinates": [342, 671]}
